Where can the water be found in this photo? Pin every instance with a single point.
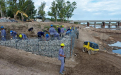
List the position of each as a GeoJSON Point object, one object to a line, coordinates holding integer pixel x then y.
{"type": "Point", "coordinates": [117, 51]}
{"type": "Point", "coordinates": [117, 44]}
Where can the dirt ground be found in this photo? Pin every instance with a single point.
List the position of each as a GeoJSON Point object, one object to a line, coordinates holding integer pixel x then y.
{"type": "Point", "coordinates": [18, 62]}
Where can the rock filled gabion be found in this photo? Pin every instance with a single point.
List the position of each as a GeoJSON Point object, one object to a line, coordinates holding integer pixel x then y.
{"type": "Point", "coordinates": [45, 48]}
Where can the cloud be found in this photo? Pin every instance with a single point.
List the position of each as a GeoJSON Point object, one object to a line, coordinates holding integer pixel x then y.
{"type": "Point", "coordinates": [91, 9]}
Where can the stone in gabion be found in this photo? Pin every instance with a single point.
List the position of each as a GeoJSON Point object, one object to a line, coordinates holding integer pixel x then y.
{"type": "Point", "coordinates": [45, 48]}
{"type": "Point", "coordinates": [2, 43]}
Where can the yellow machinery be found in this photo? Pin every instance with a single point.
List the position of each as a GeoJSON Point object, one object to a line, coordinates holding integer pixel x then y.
{"type": "Point", "coordinates": [91, 47]}
{"type": "Point", "coordinates": [22, 14]}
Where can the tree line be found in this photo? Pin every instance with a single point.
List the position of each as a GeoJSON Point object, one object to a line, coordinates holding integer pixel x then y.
{"type": "Point", "coordinates": [59, 9]}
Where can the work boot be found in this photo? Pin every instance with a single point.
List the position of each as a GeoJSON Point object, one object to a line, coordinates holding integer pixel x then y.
{"type": "Point", "coordinates": [61, 73]}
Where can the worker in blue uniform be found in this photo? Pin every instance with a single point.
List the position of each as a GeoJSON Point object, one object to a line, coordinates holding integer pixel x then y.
{"type": "Point", "coordinates": [3, 34]}
{"type": "Point", "coordinates": [23, 36]}
{"type": "Point", "coordinates": [40, 34]}
{"type": "Point", "coordinates": [61, 58]}
{"type": "Point", "coordinates": [13, 34]}
{"type": "Point", "coordinates": [30, 29]}
{"type": "Point", "coordinates": [47, 37]}
{"type": "Point", "coordinates": [56, 35]}
{"type": "Point", "coordinates": [62, 31]}
{"type": "Point", "coordinates": [59, 30]}
{"type": "Point", "coordinates": [52, 31]}
{"type": "Point", "coordinates": [68, 32]}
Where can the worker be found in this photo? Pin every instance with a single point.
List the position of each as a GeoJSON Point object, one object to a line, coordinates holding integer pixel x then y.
{"type": "Point", "coordinates": [52, 31]}
{"type": "Point", "coordinates": [3, 34]}
{"type": "Point", "coordinates": [40, 34]}
{"type": "Point", "coordinates": [68, 29]}
{"type": "Point", "coordinates": [59, 30]}
{"type": "Point", "coordinates": [68, 32]}
{"type": "Point", "coordinates": [62, 31]}
{"type": "Point", "coordinates": [47, 37]}
{"type": "Point", "coordinates": [65, 29]}
{"type": "Point", "coordinates": [56, 34]}
{"type": "Point", "coordinates": [30, 29]}
{"type": "Point", "coordinates": [72, 28]}
{"type": "Point", "coordinates": [61, 58]}
{"type": "Point", "coordinates": [13, 35]}
{"type": "Point", "coordinates": [77, 33]}
{"type": "Point", "coordinates": [23, 36]}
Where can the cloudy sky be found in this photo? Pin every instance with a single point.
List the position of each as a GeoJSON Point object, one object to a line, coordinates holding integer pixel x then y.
{"type": "Point", "coordinates": [91, 9]}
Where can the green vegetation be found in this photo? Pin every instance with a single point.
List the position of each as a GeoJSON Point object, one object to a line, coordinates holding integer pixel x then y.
{"type": "Point", "coordinates": [10, 7]}
{"type": "Point", "coordinates": [59, 10]}
{"type": "Point", "coordinates": [41, 10]}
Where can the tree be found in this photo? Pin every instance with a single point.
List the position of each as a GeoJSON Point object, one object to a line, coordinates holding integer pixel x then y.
{"type": "Point", "coordinates": [61, 9]}
{"type": "Point", "coordinates": [41, 10]}
{"type": "Point", "coordinates": [53, 11]}
{"type": "Point", "coordinates": [2, 8]}
{"type": "Point", "coordinates": [70, 9]}
{"type": "Point", "coordinates": [27, 6]}
{"type": "Point", "coordinates": [62, 13]}
{"type": "Point", "coordinates": [13, 6]}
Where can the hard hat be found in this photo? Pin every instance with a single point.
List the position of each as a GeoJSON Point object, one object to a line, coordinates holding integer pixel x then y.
{"type": "Point", "coordinates": [62, 25]}
{"type": "Point", "coordinates": [47, 35]}
{"type": "Point", "coordinates": [51, 25]}
{"type": "Point", "coordinates": [2, 27]}
{"type": "Point", "coordinates": [57, 26]}
{"type": "Point", "coordinates": [20, 36]}
{"type": "Point", "coordinates": [11, 31]}
{"type": "Point", "coordinates": [62, 44]}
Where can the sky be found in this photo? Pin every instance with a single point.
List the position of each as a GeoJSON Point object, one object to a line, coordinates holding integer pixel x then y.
{"type": "Point", "coordinates": [91, 9]}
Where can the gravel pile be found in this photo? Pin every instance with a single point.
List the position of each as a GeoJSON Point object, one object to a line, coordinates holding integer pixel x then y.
{"type": "Point", "coordinates": [6, 20]}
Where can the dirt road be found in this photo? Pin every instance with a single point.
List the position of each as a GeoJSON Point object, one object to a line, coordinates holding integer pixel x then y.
{"type": "Point", "coordinates": [99, 64]}
{"type": "Point", "coordinates": [16, 62]}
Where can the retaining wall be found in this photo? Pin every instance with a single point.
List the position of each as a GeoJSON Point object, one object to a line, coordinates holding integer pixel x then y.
{"type": "Point", "coordinates": [44, 48]}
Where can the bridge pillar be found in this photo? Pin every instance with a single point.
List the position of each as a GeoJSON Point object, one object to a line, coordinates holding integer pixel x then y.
{"type": "Point", "coordinates": [103, 26]}
{"type": "Point", "coordinates": [87, 23]}
{"type": "Point", "coordinates": [109, 25]}
{"type": "Point", "coordinates": [116, 25]}
{"type": "Point", "coordinates": [94, 24]}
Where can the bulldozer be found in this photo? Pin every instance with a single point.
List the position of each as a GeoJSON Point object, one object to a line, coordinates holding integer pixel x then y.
{"type": "Point", "coordinates": [22, 13]}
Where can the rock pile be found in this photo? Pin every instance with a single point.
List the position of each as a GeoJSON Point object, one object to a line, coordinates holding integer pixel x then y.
{"type": "Point", "coordinates": [7, 20]}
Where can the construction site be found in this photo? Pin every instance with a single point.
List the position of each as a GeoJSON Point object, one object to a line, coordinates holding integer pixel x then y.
{"type": "Point", "coordinates": [35, 57]}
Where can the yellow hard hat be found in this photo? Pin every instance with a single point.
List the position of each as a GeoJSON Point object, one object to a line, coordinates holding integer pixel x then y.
{"type": "Point", "coordinates": [62, 44]}
{"type": "Point", "coordinates": [20, 36]}
{"type": "Point", "coordinates": [57, 26]}
{"type": "Point", "coordinates": [62, 25]}
{"type": "Point", "coordinates": [70, 27]}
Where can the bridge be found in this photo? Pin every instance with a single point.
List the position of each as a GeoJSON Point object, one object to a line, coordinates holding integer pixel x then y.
{"type": "Point", "coordinates": [103, 22]}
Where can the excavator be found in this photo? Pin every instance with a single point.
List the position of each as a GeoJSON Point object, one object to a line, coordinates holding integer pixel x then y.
{"type": "Point", "coordinates": [22, 13]}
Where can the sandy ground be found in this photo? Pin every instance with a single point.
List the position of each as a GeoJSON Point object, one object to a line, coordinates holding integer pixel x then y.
{"type": "Point", "coordinates": [18, 62]}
